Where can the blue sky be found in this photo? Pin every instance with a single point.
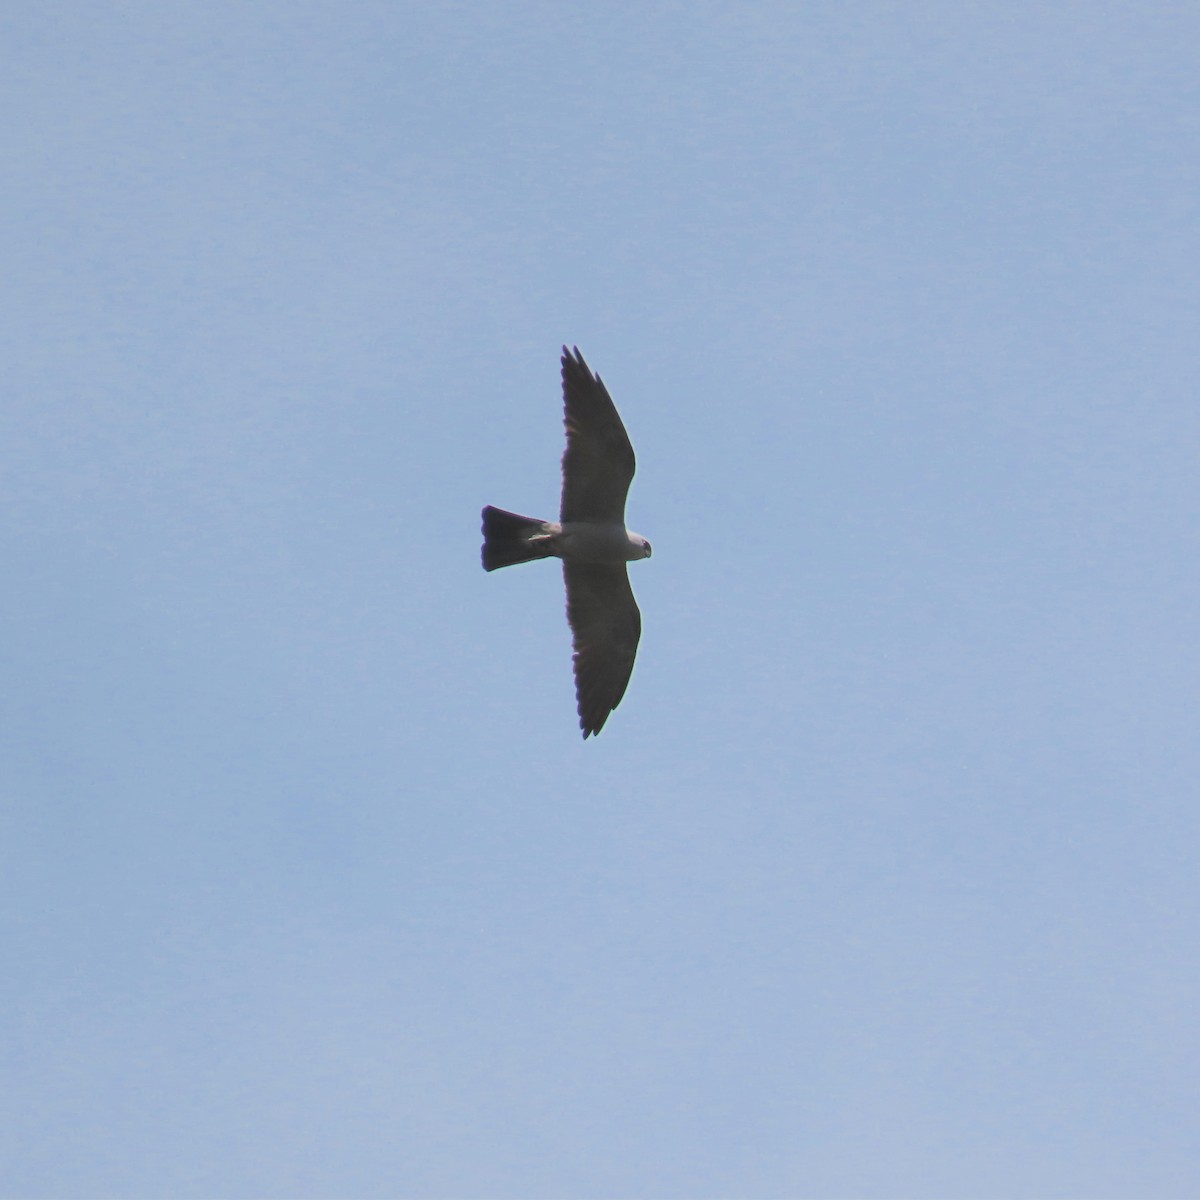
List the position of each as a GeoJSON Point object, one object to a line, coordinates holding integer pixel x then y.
{"type": "Point", "coordinates": [880, 882]}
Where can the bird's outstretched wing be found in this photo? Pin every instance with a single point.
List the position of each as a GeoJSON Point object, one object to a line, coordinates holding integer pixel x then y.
{"type": "Point", "coordinates": [598, 463]}
{"type": "Point", "coordinates": [605, 628]}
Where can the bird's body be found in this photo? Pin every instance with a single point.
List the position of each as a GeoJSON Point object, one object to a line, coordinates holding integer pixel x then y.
{"type": "Point", "coordinates": [580, 541]}
{"type": "Point", "coordinates": [591, 539]}
{"type": "Point", "coordinates": [515, 539]}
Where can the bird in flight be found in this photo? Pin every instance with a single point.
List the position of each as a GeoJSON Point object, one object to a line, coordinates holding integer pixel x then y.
{"type": "Point", "coordinates": [591, 539]}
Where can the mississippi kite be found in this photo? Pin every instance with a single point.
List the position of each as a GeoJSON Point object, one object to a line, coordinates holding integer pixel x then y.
{"type": "Point", "coordinates": [591, 539]}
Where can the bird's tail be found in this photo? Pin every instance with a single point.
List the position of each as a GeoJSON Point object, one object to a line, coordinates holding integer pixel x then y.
{"type": "Point", "coordinates": [509, 538]}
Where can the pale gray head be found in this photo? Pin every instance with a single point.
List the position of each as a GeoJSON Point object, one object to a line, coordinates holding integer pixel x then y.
{"type": "Point", "coordinates": [639, 547]}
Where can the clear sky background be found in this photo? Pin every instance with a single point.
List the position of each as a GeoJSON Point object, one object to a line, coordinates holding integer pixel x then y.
{"type": "Point", "coordinates": [882, 879]}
